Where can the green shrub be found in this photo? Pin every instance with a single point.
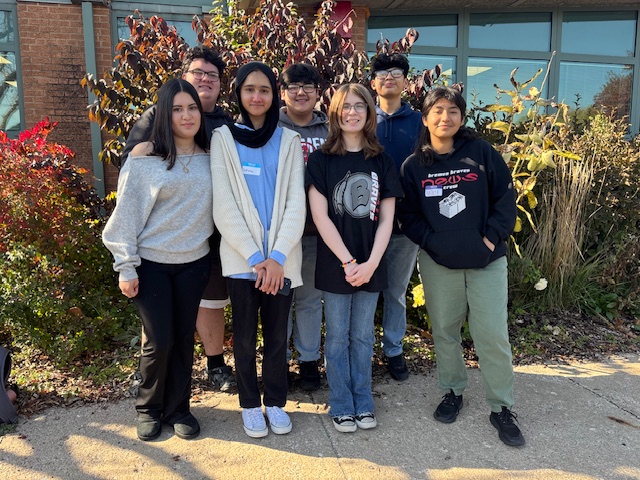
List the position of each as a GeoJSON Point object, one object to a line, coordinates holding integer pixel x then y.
{"type": "Point", "coordinates": [57, 288]}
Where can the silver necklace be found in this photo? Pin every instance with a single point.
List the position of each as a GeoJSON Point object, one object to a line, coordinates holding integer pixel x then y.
{"type": "Point", "coordinates": [186, 164]}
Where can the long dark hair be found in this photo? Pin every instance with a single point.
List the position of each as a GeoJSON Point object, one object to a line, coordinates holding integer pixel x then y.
{"type": "Point", "coordinates": [335, 143]}
{"type": "Point", "coordinates": [424, 150]}
{"type": "Point", "coordinates": [162, 132]}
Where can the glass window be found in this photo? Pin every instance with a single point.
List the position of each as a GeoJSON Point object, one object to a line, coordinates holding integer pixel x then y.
{"type": "Point", "coordinates": [183, 27]}
{"type": "Point", "coordinates": [7, 29]}
{"type": "Point", "coordinates": [9, 99]}
{"type": "Point", "coordinates": [9, 91]}
{"type": "Point", "coordinates": [483, 73]}
{"type": "Point", "coordinates": [505, 31]}
{"type": "Point", "coordinates": [434, 30]}
{"type": "Point", "coordinates": [599, 33]}
{"type": "Point", "coordinates": [596, 84]}
{"type": "Point", "coordinates": [428, 62]}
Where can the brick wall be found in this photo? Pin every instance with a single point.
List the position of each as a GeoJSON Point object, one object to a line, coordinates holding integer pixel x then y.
{"type": "Point", "coordinates": [359, 30]}
{"type": "Point", "coordinates": [53, 63]}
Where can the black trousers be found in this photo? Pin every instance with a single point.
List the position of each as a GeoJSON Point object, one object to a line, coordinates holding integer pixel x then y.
{"type": "Point", "coordinates": [167, 301]}
{"type": "Point", "coordinates": [247, 302]}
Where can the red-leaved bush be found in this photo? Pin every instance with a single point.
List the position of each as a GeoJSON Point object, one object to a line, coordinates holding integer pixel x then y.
{"type": "Point", "coordinates": [57, 288]}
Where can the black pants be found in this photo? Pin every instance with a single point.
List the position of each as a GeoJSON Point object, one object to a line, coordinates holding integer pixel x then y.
{"type": "Point", "coordinates": [246, 302]}
{"type": "Point", "coordinates": [167, 301]}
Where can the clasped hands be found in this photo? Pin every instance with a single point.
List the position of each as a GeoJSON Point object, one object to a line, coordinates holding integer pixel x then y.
{"type": "Point", "coordinates": [357, 274]}
{"type": "Point", "coordinates": [270, 276]}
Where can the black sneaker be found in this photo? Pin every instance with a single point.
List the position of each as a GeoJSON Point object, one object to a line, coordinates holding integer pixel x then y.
{"type": "Point", "coordinates": [222, 378]}
{"type": "Point", "coordinates": [148, 428]}
{"type": "Point", "coordinates": [508, 431]}
{"type": "Point", "coordinates": [449, 407]}
{"type": "Point", "coordinates": [309, 376]}
{"type": "Point", "coordinates": [185, 426]}
{"type": "Point", "coordinates": [397, 367]}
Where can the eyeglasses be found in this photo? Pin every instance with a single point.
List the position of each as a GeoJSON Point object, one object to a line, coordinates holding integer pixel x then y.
{"type": "Point", "coordinates": [306, 88]}
{"type": "Point", "coordinates": [395, 73]}
{"type": "Point", "coordinates": [200, 74]}
{"type": "Point", "coordinates": [358, 107]}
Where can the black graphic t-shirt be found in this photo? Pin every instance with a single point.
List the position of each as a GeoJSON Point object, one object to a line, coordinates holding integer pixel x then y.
{"type": "Point", "coordinates": [354, 187]}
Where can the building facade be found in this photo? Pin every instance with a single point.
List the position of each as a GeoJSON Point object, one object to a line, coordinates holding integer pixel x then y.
{"type": "Point", "coordinates": [589, 51]}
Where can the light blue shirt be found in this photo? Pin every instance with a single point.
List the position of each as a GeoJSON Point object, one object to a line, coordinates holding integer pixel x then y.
{"type": "Point", "coordinates": [260, 168]}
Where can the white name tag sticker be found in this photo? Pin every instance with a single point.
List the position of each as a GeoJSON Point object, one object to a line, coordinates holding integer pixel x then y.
{"type": "Point", "coordinates": [251, 168]}
{"type": "Point", "coordinates": [433, 191]}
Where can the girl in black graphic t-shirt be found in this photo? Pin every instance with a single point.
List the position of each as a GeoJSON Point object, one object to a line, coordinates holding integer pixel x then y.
{"type": "Point", "coordinates": [352, 186]}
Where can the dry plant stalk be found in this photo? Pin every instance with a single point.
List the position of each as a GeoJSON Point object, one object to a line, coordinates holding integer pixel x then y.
{"type": "Point", "coordinates": [558, 247]}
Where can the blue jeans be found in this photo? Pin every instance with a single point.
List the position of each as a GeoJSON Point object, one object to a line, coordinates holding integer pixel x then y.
{"type": "Point", "coordinates": [348, 349]}
{"type": "Point", "coordinates": [307, 303]}
{"type": "Point", "coordinates": [401, 256]}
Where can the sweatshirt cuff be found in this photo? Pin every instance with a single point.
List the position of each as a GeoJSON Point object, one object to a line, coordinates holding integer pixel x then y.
{"type": "Point", "coordinates": [278, 257]}
{"type": "Point", "coordinates": [127, 275]}
{"type": "Point", "coordinates": [492, 236]}
{"type": "Point", "coordinates": [255, 259]}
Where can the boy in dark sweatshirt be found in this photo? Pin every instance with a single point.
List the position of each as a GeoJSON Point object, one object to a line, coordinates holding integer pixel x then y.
{"type": "Point", "coordinates": [398, 130]}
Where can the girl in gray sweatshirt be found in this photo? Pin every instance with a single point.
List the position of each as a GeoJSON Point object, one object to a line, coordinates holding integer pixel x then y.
{"type": "Point", "coordinates": [158, 235]}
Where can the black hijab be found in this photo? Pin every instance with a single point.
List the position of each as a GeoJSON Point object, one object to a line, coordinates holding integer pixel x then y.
{"type": "Point", "coordinates": [256, 138]}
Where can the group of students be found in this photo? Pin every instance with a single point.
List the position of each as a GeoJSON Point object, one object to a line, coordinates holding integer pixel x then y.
{"type": "Point", "coordinates": [379, 186]}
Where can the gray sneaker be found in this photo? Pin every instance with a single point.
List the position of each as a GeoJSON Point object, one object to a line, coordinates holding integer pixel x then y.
{"type": "Point", "coordinates": [222, 378]}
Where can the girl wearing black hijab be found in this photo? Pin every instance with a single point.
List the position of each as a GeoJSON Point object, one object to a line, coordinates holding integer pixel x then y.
{"type": "Point", "coordinates": [259, 207]}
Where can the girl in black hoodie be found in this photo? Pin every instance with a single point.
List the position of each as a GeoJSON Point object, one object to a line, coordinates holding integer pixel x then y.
{"type": "Point", "coordinates": [459, 207]}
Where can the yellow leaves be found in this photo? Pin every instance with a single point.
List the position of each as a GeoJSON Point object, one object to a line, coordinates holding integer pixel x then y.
{"type": "Point", "coordinates": [518, 226]}
{"type": "Point", "coordinates": [529, 217]}
{"type": "Point", "coordinates": [529, 183]}
{"type": "Point", "coordinates": [541, 161]}
{"type": "Point", "coordinates": [502, 126]}
{"type": "Point", "coordinates": [418, 296]}
{"type": "Point", "coordinates": [498, 108]}
{"type": "Point", "coordinates": [547, 159]}
{"type": "Point", "coordinates": [569, 155]}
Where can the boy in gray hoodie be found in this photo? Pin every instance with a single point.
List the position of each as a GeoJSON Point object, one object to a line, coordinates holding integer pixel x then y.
{"type": "Point", "coordinates": [300, 90]}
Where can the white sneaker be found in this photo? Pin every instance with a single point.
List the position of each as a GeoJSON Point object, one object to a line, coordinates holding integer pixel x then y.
{"type": "Point", "coordinates": [345, 423]}
{"type": "Point", "coordinates": [254, 423]}
{"type": "Point", "coordinates": [366, 420]}
{"type": "Point", "coordinates": [278, 420]}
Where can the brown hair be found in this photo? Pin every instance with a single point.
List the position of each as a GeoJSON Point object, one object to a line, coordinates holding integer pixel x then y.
{"type": "Point", "coordinates": [334, 144]}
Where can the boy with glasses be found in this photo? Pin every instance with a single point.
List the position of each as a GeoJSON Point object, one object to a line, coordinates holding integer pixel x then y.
{"type": "Point", "coordinates": [398, 131]}
{"type": "Point", "coordinates": [202, 68]}
{"type": "Point", "coordinates": [300, 90]}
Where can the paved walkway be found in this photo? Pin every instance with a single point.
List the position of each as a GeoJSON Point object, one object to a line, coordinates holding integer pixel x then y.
{"type": "Point", "coordinates": [581, 421]}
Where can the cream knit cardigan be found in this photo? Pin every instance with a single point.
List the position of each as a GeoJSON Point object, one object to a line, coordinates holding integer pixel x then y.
{"type": "Point", "coordinates": [236, 217]}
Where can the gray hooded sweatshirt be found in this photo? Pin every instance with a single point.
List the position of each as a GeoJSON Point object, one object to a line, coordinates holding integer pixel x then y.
{"type": "Point", "coordinates": [312, 136]}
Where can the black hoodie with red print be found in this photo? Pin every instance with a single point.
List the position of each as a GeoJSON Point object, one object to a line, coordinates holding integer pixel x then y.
{"type": "Point", "coordinates": [450, 205]}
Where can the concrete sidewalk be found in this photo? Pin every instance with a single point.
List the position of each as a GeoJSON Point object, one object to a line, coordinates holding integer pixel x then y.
{"type": "Point", "coordinates": [581, 421]}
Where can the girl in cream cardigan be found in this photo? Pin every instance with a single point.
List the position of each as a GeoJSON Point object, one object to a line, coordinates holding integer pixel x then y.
{"type": "Point", "coordinates": [257, 172]}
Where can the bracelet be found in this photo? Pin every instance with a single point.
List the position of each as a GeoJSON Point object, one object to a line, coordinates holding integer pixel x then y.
{"type": "Point", "coordinates": [353, 260]}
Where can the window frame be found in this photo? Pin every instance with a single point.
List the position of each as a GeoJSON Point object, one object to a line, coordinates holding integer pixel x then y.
{"type": "Point", "coordinates": [14, 47]}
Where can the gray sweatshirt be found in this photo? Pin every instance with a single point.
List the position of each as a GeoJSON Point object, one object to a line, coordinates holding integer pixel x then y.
{"type": "Point", "coordinates": [312, 136]}
{"type": "Point", "coordinates": [161, 215]}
